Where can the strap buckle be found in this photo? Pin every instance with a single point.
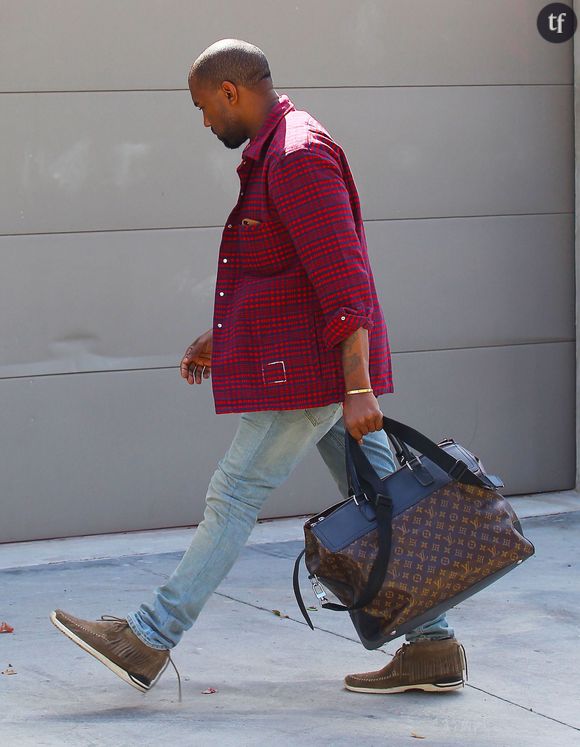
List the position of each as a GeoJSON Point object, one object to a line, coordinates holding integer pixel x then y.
{"type": "Point", "coordinates": [414, 461]}
{"type": "Point", "coordinates": [354, 497]}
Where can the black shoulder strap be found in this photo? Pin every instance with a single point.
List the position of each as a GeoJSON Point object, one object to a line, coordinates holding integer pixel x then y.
{"type": "Point", "coordinates": [297, 592]}
{"type": "Point", "coordinates": [454, 467]}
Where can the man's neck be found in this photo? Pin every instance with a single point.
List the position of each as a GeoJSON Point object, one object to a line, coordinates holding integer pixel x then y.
{"type": "Point", "coordinates": [268, 102]}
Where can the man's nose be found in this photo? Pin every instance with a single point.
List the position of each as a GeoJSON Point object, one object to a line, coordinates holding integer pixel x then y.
{"type": "Point", "coordinates": [206, 122]}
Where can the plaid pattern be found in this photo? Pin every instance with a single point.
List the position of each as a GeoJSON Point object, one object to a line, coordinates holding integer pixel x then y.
{"type": "Point", "coordinates": [296, 281]}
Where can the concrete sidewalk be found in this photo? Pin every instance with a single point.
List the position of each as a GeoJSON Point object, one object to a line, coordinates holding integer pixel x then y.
{"type": "Point", "coordinates": [278, 682]}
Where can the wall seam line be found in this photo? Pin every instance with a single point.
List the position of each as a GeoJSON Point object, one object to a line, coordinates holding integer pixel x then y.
{"type": "Point", "coordinates": [221, 226]}
{"type": "Point", "coordinates": [563, 341]}
{"type": "Point", "coordinates": [295, 88]}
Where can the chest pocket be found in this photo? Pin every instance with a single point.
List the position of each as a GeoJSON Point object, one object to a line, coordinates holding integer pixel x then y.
{"type": "Point", "coordinates": [265, 249]}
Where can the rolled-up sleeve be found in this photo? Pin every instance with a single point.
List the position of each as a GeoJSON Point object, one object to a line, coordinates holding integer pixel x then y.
{"type": "Point", "coordinates": [309, 194]}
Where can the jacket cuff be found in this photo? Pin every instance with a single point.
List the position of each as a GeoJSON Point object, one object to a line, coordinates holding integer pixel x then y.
{"type": "Point", "coordinates": [342, 325]}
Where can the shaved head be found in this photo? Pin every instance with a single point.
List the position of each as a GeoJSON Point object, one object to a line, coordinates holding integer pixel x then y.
{"type": "Point", "coordinates": [230, 83]}
{"type": "Point", "coordinates": [233, 60]}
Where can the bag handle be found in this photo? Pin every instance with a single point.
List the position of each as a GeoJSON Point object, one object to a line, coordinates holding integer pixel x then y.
{"type": "Point", "coordinates": [358, 465]}
{"type": "Point", "coordinates": [455, 468]}
{"type": "Point", "coordinates": [401, 450]}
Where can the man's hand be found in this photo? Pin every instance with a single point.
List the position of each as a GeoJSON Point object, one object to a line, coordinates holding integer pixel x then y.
{"type": "Point", "coordinates": [362, 415]}
{"type": "Point", "coordinates": [196, 363]}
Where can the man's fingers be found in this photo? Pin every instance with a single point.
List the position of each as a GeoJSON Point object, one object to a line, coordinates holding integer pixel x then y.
{"type": "Point", "coordinates": [190, 372]}
{"type": "Point", "coordinates": [194, 354]}
{"type": "Point", "coordinates": [201, 372]}
{"type": "Point", "coordinates": [194, 365]}
{"type": "Point", "coordinates": [365, 427]}
{"type": "Point", "coordinates": [186, 362]}
{"type": "Point", "coordinates": [184, 369]}
{"type": "Point", "coordinates": [195, 371]}
{"type": "Point", "coordinates": [356, 433]}
{"type": "Point", "coordinates": [362, 418]}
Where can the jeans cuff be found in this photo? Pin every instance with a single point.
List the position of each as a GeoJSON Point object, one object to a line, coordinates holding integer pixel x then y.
{"type": "Point", "coordinates": [141, 636]}
{"type": "Point", "coordinates": [430, 637]}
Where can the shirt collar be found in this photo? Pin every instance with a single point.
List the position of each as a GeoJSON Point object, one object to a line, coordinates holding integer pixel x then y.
{"type": "Point", "coordinates": [278, 110]}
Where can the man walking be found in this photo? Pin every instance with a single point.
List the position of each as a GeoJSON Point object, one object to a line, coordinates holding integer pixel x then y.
{"type": "Point", "coordinates": [298, 346]}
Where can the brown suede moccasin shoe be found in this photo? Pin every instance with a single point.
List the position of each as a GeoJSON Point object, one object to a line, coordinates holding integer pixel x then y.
{"type": "Point", "coordinates": [112, 642]}
{"type": "Point", "coordinates": [432, 666]}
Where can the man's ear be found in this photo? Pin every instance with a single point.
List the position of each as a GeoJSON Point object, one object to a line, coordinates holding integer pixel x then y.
{"type": "Point", "coordinates": [230, 92]}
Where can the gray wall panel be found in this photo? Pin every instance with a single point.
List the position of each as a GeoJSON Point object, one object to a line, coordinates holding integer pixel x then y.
{"type": "Point", "coordinates": [468, 282]}
{"type": "Point", "coordinates": [149, 44]}
{"type": "Point", "coordinates": [116, 160]}
{"type": "Point", "coordinates": [454, 151]}
{"type": "Point", "coordinates": [117, 451]}
{"type": "Point", "coordinates": [93, 453]}
{"type": "Point", "coordinates": [144, 160]}
{"type": "Point", "coordinates": [510, 405]}
{"type": "Point", "coordinates": [109, 300]}
{"type": "Point", "coordinates": [135, 299]}
{"type": "Point", "coordinates": [457, 119]}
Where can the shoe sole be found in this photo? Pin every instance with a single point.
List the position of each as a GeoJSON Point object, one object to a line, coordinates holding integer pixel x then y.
{"type": "Point", "coordinates": [427, 687]}
{"type": "Point", "coordinates": [125, 676]}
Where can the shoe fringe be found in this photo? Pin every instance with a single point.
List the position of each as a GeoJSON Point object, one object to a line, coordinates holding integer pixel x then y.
{"type": "Point", "coordinates": [464, 659]}
{"type": "Point", "coordinates": [112, 618]}
{"type": "Point", "coordinates": [441, 666]}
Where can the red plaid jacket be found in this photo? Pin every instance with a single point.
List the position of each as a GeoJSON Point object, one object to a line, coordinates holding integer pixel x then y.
{"type": "Point", "coordinates": [294, 280]}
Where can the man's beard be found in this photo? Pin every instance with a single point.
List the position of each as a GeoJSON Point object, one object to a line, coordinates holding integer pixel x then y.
{"type": "Point", "coordinates": [231, 141]}
{"type": "Point", "coordinates": [233, 144]}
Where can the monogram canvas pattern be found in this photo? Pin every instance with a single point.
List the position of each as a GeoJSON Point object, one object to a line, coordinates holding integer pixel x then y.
{"type": "Point", "coordinates": [441, 546]}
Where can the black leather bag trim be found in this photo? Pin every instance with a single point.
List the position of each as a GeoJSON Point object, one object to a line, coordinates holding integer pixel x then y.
{"type": "Point", "coordinates": [351, 521]}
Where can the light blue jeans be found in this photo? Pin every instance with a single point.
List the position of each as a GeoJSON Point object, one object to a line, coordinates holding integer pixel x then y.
{"type": "Point", "coordinates": [265, 449]}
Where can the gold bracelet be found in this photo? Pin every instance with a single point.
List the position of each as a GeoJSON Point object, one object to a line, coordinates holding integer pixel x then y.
{"type": "Point", "coordinates": [359, 391]}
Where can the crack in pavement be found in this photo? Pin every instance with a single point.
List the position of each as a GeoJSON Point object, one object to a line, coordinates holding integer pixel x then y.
{"type": "Point", "coordinates": [357, 642]}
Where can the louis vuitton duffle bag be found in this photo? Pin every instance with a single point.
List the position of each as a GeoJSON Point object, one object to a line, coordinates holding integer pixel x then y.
{"type": "Point", "coordinates": [404, 548]}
